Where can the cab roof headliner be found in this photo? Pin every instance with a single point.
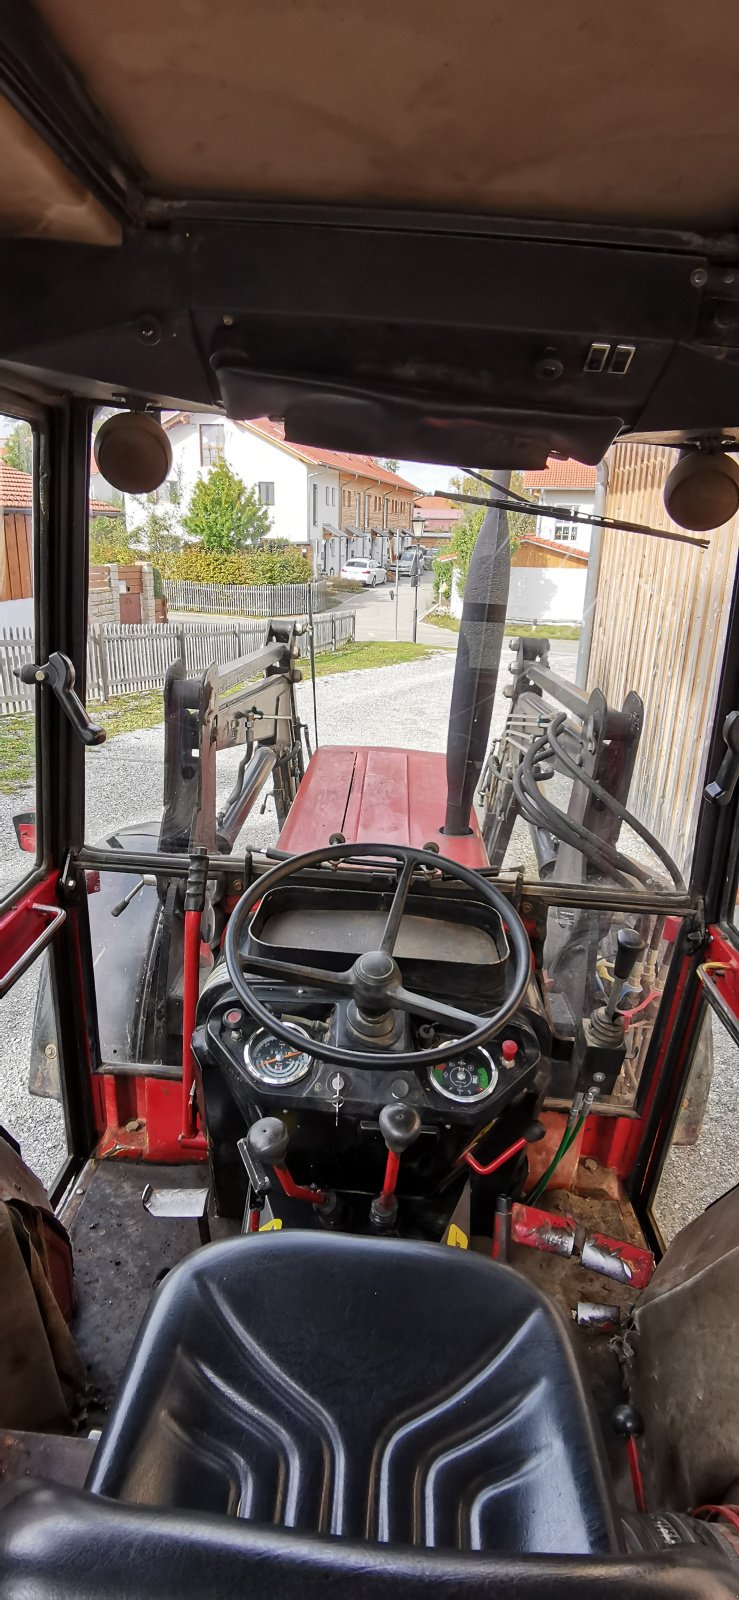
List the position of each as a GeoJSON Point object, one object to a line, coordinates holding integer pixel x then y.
{"type": "Point", "coordinates": [627, 114]}
{"type": "Point", "coordinates": [414, 229]}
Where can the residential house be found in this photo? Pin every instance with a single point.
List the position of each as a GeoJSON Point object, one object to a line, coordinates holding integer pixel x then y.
{"type": "Point", "coordinates": [16, 545]}
{"type": "Point", "coordinates": [434, 520]}
{"type": "Point", "coordinates": [332, 505]}
{"type": "Point", "coordinates": [568, 484]}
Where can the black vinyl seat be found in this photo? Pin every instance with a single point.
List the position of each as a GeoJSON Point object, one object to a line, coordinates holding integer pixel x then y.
{"type": "Point", "coordinates": [61, 1544]}
{"type": "Point", "coordinates": [402, 1394]}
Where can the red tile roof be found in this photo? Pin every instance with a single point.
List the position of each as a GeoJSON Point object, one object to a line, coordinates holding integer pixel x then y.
{"type": "Point", "coordinates": [561, 475]}
{"type": "Point", "coordinates": [16, 488]}
{"type": "Point", "coordinates": [342, 460]}
{"type": "Point", "coordinates": [16, 493]}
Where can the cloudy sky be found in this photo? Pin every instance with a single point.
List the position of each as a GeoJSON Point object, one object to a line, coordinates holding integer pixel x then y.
{"type": "Point", "coordinates": [426, 477]}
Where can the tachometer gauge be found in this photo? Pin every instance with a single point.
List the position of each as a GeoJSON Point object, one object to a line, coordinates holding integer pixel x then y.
{"type": "Point", "coordinates": [273, 1062]}
{"type": "Point", "coordinates": [468, 1077]}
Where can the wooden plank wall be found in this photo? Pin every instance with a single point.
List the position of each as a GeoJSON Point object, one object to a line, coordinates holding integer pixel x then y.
{"type": "Point", "coordinates": [16, 556]}
{"type": "Point", "coordinates": [660, 627]}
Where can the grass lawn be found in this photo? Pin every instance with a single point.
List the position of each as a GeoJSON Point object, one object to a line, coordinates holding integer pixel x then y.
{"type": "Point", "coordinates": [132, 712]}
{"type": "Point", "coordinates": [17, 737]}
{"type": "Point", "coordinates": [512, 630]}
{"type": "Point", "coordinates": [356, 657]}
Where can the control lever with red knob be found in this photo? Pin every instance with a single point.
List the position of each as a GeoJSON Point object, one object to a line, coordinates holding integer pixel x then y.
{"type": "Point", "coordinates": [267, 1142]}
{"type": "Point", "coordinates": [400, 1126]}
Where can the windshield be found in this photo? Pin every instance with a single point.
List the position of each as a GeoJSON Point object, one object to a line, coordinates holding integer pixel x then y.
{"type": "Point", "coordinates": [604, 644]}
{"type": "Point", "coordinates": [591, 771]}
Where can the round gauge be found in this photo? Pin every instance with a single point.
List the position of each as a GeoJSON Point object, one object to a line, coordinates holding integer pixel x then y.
{"type": "Point", "coordinates": [469, 1077]}
{"type": "Point", "coordinates": [273, 1061]}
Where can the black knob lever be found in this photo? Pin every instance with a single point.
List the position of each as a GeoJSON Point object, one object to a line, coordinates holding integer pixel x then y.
{"type": "Point", "coordinates": [721, 790]}
{"type": "Point", "coordinates": [400, 1126]}
{"type": "Point", "coordinates": [629, 947]}
{"type": "Point", "coordinates": [58, 674]}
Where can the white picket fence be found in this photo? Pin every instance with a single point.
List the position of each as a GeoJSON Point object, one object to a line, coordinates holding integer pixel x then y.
{"type": "Point", "coordinates": [129, 658]}
{"type": "Point", "coordinates": [245, 600]}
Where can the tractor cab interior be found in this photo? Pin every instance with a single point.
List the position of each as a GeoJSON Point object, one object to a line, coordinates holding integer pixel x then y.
{"type": "Point", "coordinates": [351, 1278]}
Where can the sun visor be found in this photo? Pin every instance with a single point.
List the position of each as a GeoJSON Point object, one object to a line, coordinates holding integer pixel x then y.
{"type": "Point", "coordinates": [415, 427]}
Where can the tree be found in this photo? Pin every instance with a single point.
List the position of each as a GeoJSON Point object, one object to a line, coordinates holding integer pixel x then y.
{"type": "Point", "coordinates": [109, 541]}
{"type": "Point", "coordinates": [464, 537]}
{"type": "Point", "coordinates": [156, 535]}
{"type": "Point", "coordinates": [392, 466]}
{"type": "Point", "coordinates": [19, 448]}
{"type": "Point", "coordinates": [223, 514]}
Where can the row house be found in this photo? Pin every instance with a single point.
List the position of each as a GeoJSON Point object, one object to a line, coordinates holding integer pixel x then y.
{"type": "Point", "coordinates": [330, 504]}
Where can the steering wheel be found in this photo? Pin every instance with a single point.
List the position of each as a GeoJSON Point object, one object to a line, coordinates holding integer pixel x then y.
{"type": "Point", "coordinates": [374, 981]}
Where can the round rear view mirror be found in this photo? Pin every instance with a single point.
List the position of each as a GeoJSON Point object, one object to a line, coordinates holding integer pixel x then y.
{"type": "Point", "coordinates": [133, 452]}
{"type": "Point", "coordinates": [702, 491]}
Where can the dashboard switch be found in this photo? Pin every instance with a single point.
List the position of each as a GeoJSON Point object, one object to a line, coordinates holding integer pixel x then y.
{"type": "Point", "coordinates": [509, 1051]}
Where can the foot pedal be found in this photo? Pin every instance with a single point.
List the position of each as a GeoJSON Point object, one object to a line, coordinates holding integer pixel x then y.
{"type": "Point", "coordinates": [179, 1205]}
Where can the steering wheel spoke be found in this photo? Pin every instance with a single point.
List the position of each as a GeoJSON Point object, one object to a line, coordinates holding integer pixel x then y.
{"type": "Point", "coordinates": [395, 914]}
{"type": "Point", "coordinates": [292, 972]}
{"type": "Point", "coordinates": [435, 1010]}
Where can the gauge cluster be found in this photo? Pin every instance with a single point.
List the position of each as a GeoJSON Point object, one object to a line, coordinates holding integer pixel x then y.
{"type": "Point", "coordinates": [271, 1075]}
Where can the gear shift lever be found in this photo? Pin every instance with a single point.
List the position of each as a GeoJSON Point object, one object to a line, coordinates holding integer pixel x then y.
{"type": "Point", "coordinates": [400, 1126]}
{"type": "Point", "coordinates": [267, 1142]}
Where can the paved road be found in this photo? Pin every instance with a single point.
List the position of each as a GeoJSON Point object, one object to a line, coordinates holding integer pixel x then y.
{"type": "Point", "coordinates": [379, 610]}
{"type": "Point", "coordinates": [405, 706]}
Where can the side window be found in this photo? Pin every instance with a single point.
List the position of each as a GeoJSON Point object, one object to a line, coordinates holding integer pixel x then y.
{"type": "Point", "coordinates": [17, 650]}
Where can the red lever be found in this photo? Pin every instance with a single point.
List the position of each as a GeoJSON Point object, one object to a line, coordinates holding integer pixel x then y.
{"type": "Point", "coordinates": [400, 1125]}
{"type": "Point", "coordinates": [298, 1191]}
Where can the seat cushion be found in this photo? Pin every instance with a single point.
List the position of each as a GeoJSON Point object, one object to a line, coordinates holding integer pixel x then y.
{"type": "Point", "coordinates": [372, 1389]}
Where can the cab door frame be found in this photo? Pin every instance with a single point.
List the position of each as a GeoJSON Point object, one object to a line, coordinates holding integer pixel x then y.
{"type": "Point", "coordinates": [61, 485]}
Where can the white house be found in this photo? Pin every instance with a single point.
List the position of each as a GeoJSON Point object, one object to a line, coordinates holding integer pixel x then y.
{"type": "Point", "coordinates": [331, 505]}
{"type": "Point", "coordinates": [568, 484]}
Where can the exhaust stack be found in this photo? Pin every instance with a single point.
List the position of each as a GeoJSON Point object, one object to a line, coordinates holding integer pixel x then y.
{"type": "Point", "coordinates": [478, 664]}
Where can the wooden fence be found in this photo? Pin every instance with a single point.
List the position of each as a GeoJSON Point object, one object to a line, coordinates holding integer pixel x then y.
{"type": "Point", "coordinates": [129, 658]}
{"type": "Point", "coordinates": [245, 600]}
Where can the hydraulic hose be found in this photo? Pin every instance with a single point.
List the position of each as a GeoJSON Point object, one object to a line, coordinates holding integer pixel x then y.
{"type": "Point", "coordinates": [557, 823]}
{"type": "Point", "coordinates": [609, 800]}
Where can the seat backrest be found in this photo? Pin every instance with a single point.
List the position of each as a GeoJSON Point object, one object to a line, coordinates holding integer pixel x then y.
{"type": "Point", "coordinates": [63, 1544]}
{"type": "Point", "coordinates": [370, 1389]}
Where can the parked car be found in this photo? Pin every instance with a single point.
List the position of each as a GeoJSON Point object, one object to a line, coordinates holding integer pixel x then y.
{"type": "Point", "coordinates": [361, 570]}
{"type": "Point", "coordinates": [411, 561]}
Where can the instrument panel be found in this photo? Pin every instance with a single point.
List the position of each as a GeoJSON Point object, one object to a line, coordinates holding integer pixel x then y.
{"type": "Point", "coordinates": [272, 1075]}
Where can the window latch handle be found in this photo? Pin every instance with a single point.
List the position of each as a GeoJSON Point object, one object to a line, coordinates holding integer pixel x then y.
{"type": "Point", "coordinates": [58, 674]}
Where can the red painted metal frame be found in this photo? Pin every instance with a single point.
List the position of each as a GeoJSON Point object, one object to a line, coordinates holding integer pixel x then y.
{"type": "Point", "coordinates": [190, 988]}
{"type": "Point", "coordinates": [20, 925]}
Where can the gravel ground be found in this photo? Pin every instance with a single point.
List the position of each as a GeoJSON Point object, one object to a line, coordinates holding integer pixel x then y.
{"type": "Point", "coordinates": [406, 706]}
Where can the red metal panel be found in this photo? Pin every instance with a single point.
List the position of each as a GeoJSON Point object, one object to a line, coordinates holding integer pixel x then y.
{"type": "Point", "coordinates": [21, 925]}
{"type": "Point", "coordinates": [377, 796]}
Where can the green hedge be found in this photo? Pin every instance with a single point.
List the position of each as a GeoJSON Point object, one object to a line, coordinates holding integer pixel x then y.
{"type": "Point", "coordinates": [253, 566]}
